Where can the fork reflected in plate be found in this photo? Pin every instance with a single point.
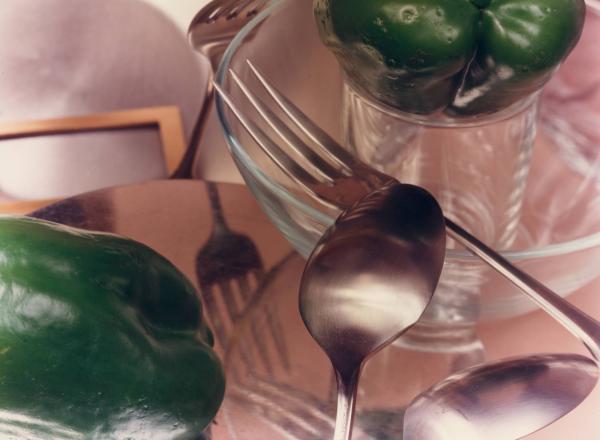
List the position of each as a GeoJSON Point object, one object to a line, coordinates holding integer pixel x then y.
{"type": "Point", "coordinates": [230, 270]}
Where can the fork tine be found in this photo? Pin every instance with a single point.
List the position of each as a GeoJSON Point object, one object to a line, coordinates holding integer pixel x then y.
{"type": "Point", "coordinates": [239, 7]}
{"type": "Point", "coordinates": [329, 146]}
{"type": "Point", "coordinates": [230, 302]}
{"type": "Point", "coordinates": [210, 302]}
{"type": "Point", "coordinates": [276, 329]}
{"type": "Point", "coordinates": [258, 6]}
{"type": "Point", "coordinates": [324, 169]}
{"type": "Point", "coordinates": [272, 322]}
{"type": "Point", "coordinates": [281, 158]}
{"type": "Point", "coordinates": [215, 13]}
{"type": "Point", "coordinates": [224, 9]}
{"type": "Point", "coordinates": [261, 348]}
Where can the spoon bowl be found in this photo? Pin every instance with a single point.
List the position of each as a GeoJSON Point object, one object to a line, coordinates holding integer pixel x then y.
{"type": "Point", "coordinates": [369, 279]}
{"type": "Point", "coordinates": [504, 400]}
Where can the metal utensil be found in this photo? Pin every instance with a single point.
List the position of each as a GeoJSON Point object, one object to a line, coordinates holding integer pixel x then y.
{"type": "Point", "coordinates": [227, 258]}
{"type": "Point", "coordinates": [369, 279]}
{"type": "Point", "coordinates": [213, 27]}
{"type": "Point", "coordinates": [229, 268]}
{"type": "Point", "coordinates": [501, 401]}
{"type": "Point", "coordinates": [209, 33]}
{"type": "Point", "coordinates": [227, 262]}
{"type": "Point", "coordinates": [339, 179]}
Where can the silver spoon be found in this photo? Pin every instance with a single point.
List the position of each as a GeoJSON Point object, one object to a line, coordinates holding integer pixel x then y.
{"type": "Point", "coordinates": [369, 279]}
{"type": "Point", "coordinates": [504, 400]}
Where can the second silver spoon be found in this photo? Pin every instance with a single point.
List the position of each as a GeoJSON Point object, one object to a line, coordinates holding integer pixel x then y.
{"type": "Point", "coordinates": [504, 400]}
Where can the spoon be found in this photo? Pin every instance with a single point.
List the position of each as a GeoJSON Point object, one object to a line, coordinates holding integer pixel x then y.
{"type": "Point", "coordinates": [504, 400]}
{"type": "Point", "coordinates": [369, 279]}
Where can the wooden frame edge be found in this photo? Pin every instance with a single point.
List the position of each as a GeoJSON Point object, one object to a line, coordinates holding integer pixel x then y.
{"type": "Point", "coordinates": [167, 119]}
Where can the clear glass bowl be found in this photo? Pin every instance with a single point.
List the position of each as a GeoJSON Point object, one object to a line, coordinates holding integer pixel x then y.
{"type": "Point", "coordinates": [558, 237]}
{"type": "Point", "coordinates": [285, 389]}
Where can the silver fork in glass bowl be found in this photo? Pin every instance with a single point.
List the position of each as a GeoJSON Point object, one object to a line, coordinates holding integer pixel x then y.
{"type": "Point", "coordinates": [339, 180]}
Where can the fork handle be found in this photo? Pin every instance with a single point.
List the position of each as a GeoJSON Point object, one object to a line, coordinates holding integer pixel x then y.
{"type": "Point", "coordinates": [577, 322]}
{"type": "Point", "coordinates": [185, 168]}
{"type": "Point", "coordinates": [215, 205]}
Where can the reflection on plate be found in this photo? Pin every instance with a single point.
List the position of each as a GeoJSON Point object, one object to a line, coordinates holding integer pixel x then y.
{"type": "Point", "coordinates": [295, 398]}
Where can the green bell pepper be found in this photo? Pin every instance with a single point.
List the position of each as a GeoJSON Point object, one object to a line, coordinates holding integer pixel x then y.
{"type": "Point", "coordinates": [100, 337]}
{"type": "Point", "coordinates": [460, 56]}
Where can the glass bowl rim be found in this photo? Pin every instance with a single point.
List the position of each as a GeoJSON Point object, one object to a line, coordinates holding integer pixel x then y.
{"type": "Point", "coordinates": [239, 154]}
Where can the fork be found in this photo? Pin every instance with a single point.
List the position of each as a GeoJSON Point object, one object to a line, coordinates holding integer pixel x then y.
{"type": "Point", "coordinates": [213, 27]}
{"type": "Point", "coordinates": [229, 267]}
{"type": "Point", "coordinates": [210, 32]}
{"type": "Point", "coordinates": [339, 180]}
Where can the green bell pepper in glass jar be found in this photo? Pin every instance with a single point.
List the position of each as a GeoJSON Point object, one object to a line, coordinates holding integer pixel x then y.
{"type": "Point", "coordinates": [464, 57]}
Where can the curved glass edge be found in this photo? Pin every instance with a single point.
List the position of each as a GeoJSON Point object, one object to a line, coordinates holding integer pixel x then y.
{"type": "Point", "coordinates": [555, 249]}
{"type": "Point", "coordinates": [442, 120]}
{"type": "Point", "coordinates": [232, 141]}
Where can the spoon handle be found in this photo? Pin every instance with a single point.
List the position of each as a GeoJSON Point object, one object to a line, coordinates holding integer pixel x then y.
{"type": "Point", "coordinates": [346, 401]}
{"type": "Point", "coordinates": [577, 322]}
